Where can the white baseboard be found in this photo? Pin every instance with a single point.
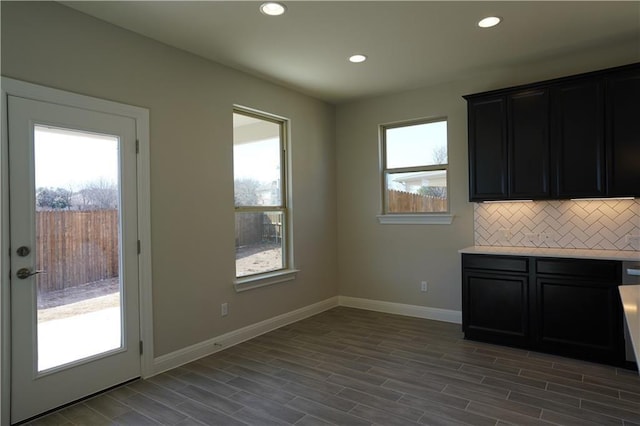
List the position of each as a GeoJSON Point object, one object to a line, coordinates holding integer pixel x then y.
{"type": "Point", "coordinates": [191, 353]}
{"type": "Point", "coordinates": [437, 314]}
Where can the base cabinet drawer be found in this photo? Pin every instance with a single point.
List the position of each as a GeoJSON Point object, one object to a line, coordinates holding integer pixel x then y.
{"type": "Point", "coordinates": [568, 307]}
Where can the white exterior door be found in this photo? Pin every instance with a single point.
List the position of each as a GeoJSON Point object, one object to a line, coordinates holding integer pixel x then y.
{"type": "Point", "coordinates": [75, 327]}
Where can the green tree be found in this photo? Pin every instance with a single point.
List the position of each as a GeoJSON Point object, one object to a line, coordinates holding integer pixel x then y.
{"type": "Point", "coordinates": [53, 198]}
{"type": "Point", "coordinates": [99, 195]}
{"type": "Point", "coordinates": [246, 192]}
{"type": "Point", "coordinates": [433, 191]}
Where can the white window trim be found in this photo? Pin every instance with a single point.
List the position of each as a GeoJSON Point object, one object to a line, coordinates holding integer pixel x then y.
{"type": "Point", "coordinates": [289, 273]}
{"type": "Point", "coordinates": [416, 219]}
{"type": "Point", "coordinates": [262, 280]}
{"type": "Point", "coordinates": [411, 218]}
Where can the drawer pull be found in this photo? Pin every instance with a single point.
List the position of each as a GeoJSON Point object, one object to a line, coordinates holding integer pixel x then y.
{"type": "Point", "coordinates": [634, 272]}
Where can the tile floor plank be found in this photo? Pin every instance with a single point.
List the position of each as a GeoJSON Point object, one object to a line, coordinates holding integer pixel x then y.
{"type": "Point", "coordinates": [268, 407]}
{"type": "Point", "coordinates": [436, 411]}
{"type": "Point", "coordinates": [133, 418]}
{"type": "Point", "coordinates": [599, 417]}
{"type": "Point", "coordinates": [155, 410]}
{"type": "Point", "coordinates": [397, 409]}
{"type": "Point", "coordinates": [325, 413]}
{"type": "Point", "coordinates": [107, 406]}
{"type": "Point", "coordinates": [347, 367]}
{"type": "Point", "coordinates": [208, 415]}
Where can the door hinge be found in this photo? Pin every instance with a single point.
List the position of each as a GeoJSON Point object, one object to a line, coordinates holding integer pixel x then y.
{"type": "Point", "coordinates": [141, 347]}
{"type": "Point", "coordinates": [139, 247]}
{"type": "Point", "coordinates": [137, 146]}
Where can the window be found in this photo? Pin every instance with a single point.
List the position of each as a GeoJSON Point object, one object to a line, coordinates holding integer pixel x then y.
{"type": "Point", "coordinates": [414, 157]}
{"type": "Point", "coordinates": [261, 215]}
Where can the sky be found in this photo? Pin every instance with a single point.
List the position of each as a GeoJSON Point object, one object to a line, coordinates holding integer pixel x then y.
{"type": "Point", "coordinates": [70, 159]}
{"type": "Point", "coordinates": [257, 160]}
{"type": "Point", "coordinates": [406, 146]}
{"type": "Point", "coordinates": [410, 146]}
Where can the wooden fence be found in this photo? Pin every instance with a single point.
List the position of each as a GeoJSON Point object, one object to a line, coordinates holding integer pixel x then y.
{"type": "Point", "coordinates": [254, 228]}
{"type": "Point", "coordinates": [401, 202]}
{"type": "Point", "coordinates": [76, 247]}
{"type": "Point", "coordinates": [248, 228]}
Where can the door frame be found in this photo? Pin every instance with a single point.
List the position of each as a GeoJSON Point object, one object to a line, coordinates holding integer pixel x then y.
{"type": "Point", "coordinates": [23, 89]}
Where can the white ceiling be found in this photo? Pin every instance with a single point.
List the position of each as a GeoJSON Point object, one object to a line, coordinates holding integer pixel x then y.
{"type": "Point", "coordinates": [409, 44]}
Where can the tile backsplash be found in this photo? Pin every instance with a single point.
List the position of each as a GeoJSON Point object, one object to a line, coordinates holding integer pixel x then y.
{"type": "Point", "coordinates": [583, 224]}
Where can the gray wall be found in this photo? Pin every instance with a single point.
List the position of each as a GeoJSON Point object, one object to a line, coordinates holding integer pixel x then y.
{"type": "Point", "coordinates": [190, 102]}
{"type": "Point", "coordinates": [387, 262]}
{"type": "Point", "coordinates": [339, 245]}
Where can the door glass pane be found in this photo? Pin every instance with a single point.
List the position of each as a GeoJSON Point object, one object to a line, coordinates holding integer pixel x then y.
{"type": "Point", "coordinates": [77, 245]}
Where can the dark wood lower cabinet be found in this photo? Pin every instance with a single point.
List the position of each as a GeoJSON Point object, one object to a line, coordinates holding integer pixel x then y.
{"type": "Point", "coordinates": [497, 308]}
{"type": "Point", "coordinates": [568, 307]}
{"type": "Point", "coordinates": [579, 319]}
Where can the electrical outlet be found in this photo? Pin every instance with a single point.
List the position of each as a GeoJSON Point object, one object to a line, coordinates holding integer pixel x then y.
{"type": "Point", "coordinates": [633, 239]}
{"type": "Point", "coordinates": [423, 286]}
{"type": "Point", "coordinates": [224, 309]}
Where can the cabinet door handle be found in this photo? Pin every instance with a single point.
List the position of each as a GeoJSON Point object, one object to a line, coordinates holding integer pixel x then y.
{"type": "Point", "coordinates": [634, 272]}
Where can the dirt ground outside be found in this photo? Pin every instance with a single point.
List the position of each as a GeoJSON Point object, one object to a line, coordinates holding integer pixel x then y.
{"type": "Point", "coordinates": [79, 300]}
{"type": "Point", "coordinates": [258, 258]}
{"type": "Point", "coordinates": [105, 294]}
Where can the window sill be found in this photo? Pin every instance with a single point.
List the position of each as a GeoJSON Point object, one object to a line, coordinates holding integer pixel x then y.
{"type": "Point", "coordinates": [263, 280]}
{"type": "Point", "coordinates": [416, 219]}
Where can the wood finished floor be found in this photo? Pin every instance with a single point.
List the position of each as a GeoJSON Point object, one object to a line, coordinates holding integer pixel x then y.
{"type": "Point", "coordinates": [355, 367]}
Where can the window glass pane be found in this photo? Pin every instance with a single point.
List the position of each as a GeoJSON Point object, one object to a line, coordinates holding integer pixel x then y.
{"type": "Point", "coordinates": [417, 192]}
{"type": "Point", "coordinates": [259, 246]}
{"type": "Point", "coordinates": [256, 161]}
{"type": "Point", "coordinates": [416, 145]}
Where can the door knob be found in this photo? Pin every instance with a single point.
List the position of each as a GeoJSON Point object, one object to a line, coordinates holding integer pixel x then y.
{"type": "Point", "coordinates": [26, 273]}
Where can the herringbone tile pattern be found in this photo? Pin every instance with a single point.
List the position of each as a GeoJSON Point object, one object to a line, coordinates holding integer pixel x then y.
{"type": "Point", "coordinates": [353, 367]}
{"type": "Point", "coordinates": [601, 224]}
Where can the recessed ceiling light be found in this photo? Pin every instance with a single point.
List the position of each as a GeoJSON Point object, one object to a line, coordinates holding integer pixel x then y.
{"type": "Point", "coordinates": [357, 58]}
{"type": "Point", "coordinates": [272, 8]}
{"type": "Point", "coordinates": [489, 21]}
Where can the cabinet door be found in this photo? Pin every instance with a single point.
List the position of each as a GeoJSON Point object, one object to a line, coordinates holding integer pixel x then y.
{"type": "Point", "coordinates": [495, 307]}
{"type": "Point", "coordinates": [487, 149]}
{"type": "Point", "coordinates": [580, 319]}
{"type": "Point", "coordinates": [623, 134]}
{"type": "Point", "coordinates": [528, 144]}
{"type": "Point", "coordinates": [578, 151]}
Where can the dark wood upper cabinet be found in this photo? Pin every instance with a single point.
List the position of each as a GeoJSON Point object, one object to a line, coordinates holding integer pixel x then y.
{"type": "Point", "coordinates": [573, 137]}
{"type": "Point", "coordinates": [623, 133]}
{"type": "Point", "coordinates": [577, 139]}
{"type": "Point", "coordinates": [488, 148]}
{"type": "Point", "coordinates": [528, 144]}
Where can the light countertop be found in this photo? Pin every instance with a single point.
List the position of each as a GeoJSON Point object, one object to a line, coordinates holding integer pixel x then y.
{"type": "Point", "coordinates": [622, 255]}
{"type": "Point", "coordinates": [630, 295]}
